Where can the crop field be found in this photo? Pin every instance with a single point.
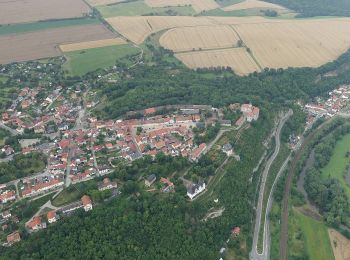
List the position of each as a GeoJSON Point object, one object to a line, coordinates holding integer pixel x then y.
{"type": "Point", "coordinates": [138, 28]}
{"type": "Point", "coordinates": [104, 2]}
{"type": "Point", "coordinates": [197, 5]}
{"type": "Point", "coordinates": [340, 245]}
{"type": "Point", "coordinates": [236, 58]}
{"type": "Point", "coordinates": [84, 61]}
{"type": "Point", "coordinates": [338, 163]}
{"type": "Point", "coordinates": [38, 10]}
{"type": "Point", "coordinates": [91, 44]}
{"type": "Point", "coordinates": [253, 4]}
{"type": "Point", "coordinates": [43, 44]}
{"type": "Point", "coordinates": [200, 37]}
{"type": "Point", "coordinates": [307, 43]}
{"type": "Point", "coordinates": [140, 8]}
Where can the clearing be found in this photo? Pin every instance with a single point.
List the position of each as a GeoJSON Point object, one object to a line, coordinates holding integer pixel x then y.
{"type": "Point", "coordinates": [43, 44]}
{"type": "Point", "coordinates": [340, 245]}
{"type": "Point", "coordinates": [201, 37]}
{"type": "Point", "coordinates": [236, 58]}
{"type": "Point", "coordinates": [316, 238]}
{"type": "Point", "coordinates": [198, 5]}
{"type": "Point", "coordinates": [338, 163]}
{"type": "Point", "coordinates": [22, 11]}
{"type": "Point", "coordinates": [84, 61]}
{"type": "Point", "coordinates": [91, 44]}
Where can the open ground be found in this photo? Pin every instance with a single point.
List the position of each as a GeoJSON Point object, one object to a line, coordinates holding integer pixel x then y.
{"type": "Point", "coordinates": [21, 11]}
{"type": "Point", "coordinates": [104, 2]}
{"type": "Point", "coordinates": [91, 44]}
{"type": "Point", "coordinates": [43, 44]}
{"type": "Point", "coordinates": [253, 4]}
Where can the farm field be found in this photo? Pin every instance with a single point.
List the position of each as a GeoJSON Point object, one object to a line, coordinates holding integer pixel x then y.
{"type": "Point", "coordinates": [43, 44]}
{"type": "Point", "coordinates": [140, 8]}
{"type": "Point", "coordinates": [253, 4]}
{"type": "Point", "coordinates": [340, 245]}
{"type": "Point", "coordinates": [91, 44]}
{"type": "Point", "coordinates": [84, 61]}
{"type": "Point", "coordinates": [103, 2]}
{"type": "Point", "coordinates": [200, 37]}
{"type": "Point", "coordinates": [37, 26]}
{"type": "Point", "coordinates": [338, 164]}
{"type": "Point", "coordinates": [197, 5]}
{"type": "Point", "coordinates": [317, 242]}
{"type": "Point", "coordinates": [138, 28]}
{"type": "Point", "coordinates": [236, 58]}
{"type": "Point", "coordinates": [39, 10]}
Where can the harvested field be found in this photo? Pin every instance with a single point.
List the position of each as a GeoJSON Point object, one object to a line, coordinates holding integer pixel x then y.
{"type": "Point", "coordinates": [340, 245]}
{"type": "Point", "coordinates": [43, 44]}
{"type": "Point", "coordinates": [236, 58]}
{"type": "Point", "coordinates": [200, 37]}
{"type": "Point", "coordinates": [197, 5]}
{"type": "Point", "coordinates": [303, 43]}
{"type": "Point", "coordinates": [138, 28]}
{"type": "Point", "coordinates": [23, 11]}
{"type": "Point", "coordinates": [104, 2]}
{"type": "Point", "coordinates": [253, 4]}
{"type": "Point", "coordinates": [91, 44]}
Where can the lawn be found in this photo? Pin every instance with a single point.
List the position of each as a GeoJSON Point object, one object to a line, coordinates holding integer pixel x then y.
{"type": "Point", "coordinates": [338, 164]}
{"type": "Point", "coordinates": [317, 243]}
{"type": "Point", "coordinates": [36, 26]}
{"type": "Point", "coordinates": [68, 195]}
{"type": "Point", "coordinates": [84, 61]}
{"type": "Point", "coordinates": [140, 8]}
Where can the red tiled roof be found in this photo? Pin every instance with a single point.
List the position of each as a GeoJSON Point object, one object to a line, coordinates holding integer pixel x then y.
{"type": "Point", "coordinates": [51, 214]}
{"type": "Point", "coordinates": [35, 222]}
{"type": "Point", "coordinates": [86, 200]}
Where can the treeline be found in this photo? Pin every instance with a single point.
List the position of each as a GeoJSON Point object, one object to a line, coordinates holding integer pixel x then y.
{"type": "Point", "coordinates": [162, 86]}
{"type": "Point", "coordinates": [309, 8]}
{"type": "Point", "coordinates": [22, 166]}
{"type": "Point", "coordinates": [328, 194]}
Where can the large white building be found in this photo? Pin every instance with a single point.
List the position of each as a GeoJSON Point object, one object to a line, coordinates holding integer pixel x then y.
{"type": "Point", "coordinates": [195, 189]}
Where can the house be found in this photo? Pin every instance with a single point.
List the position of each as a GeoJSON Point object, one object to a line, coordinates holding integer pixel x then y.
{"type": "Point", "coordinates": [195, 188]}
{"type": "Point", "coordinates": [87, 203]}
{"type": "Point", "coordinates": [250, 112]}
{"type": "Point", "coordinates": [51, 216]}
{"type": "Point", "coordinates": [236, 231]}
{"type": "Point", "coordinates": [225, 122]}
{"type": "Point", "coordinates": [13, 238]}
{"type": "Point", "coordinates": [227, 148]}
{"type": "Point", "coordinates": [36, 224]}
{"type": "Point", "coordinates": [6, 214]}
{"type": "Point", "coordinates": [7, 196]}
{"type": "Point", "coordinates": [150, 180]}
{"type": "Point", "coordinates": [169, 186]}
{"type": "Point", "coordinates": [106, 184]}
{"type": "Point", "coordinates": [198, 151]}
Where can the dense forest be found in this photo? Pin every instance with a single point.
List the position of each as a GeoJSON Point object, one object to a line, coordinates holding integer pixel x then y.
{"type": "Point", "coordinates": [328, 194]}
{"type": "Point", "coordinates": [148, 86]}
{"type": "Point", "coordinates": [308, 8]}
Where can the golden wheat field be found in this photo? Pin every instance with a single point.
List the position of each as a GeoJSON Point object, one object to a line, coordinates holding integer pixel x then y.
{"type": "Point", "coordinates": [91, 44]}
{"type": "Point", "coordinates": [197, 5]}
{"type": "Point", "coordinates": [253, 4]}
{"type": "Point", "coordinates": [236, 58]}
{"type": "Point", "coordinates": [138, 28]}
{"type": "Point", "coordinates": [305, 43]}
{"type": "Point", "coordinates": [340, 245]}
{"type": "Point", "coordinates": [199, 37]}
{"type": "Point", "coordinates": [104, 2]}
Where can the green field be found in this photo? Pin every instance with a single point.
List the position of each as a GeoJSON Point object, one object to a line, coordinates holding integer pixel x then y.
{"type": "Point", "coordinates": [67, 196]}
{"type": "Point", "coordinates": [140, 8]}
{"type": "Point", "coordinates": [224, 3]}
{"type": "Point", "coordinates": [31, 27]}
{"type": "Point", "coordinates": [84, 61]}
{"type": "Point", "coordinates": [338, 164]}
{"type": "Point", "coordinates": [317, 243]}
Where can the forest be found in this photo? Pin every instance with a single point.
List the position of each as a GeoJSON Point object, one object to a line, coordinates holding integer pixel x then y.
{"type": "Point", "coordinates": [309, 8]}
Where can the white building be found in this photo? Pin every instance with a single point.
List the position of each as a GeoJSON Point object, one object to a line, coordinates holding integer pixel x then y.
{"type": "Point", "coordinates": [195, 189]}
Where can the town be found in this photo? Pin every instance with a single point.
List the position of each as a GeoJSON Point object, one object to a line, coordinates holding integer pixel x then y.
{"type": "Point", "coordinates": [75, 147]}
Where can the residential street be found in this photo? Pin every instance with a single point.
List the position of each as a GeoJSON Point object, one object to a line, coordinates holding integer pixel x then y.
{"type": "Point", "coordinates": [254, 255]}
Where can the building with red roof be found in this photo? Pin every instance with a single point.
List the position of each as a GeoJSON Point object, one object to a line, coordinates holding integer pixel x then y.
{"type": "Point", "coordinates": [52, 216]}
{"type": "Point", "coordinates": [87, 202]}
{"type": "Point", "coordinates": [7, 196]}
{"type": "Point", "coordinates": [35, 224]}
{"type": "Point", "coordinates": [13, 238]}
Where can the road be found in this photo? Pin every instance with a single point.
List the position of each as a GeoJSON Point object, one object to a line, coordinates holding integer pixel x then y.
{"type": "Point", "coordinates": [254, 254]}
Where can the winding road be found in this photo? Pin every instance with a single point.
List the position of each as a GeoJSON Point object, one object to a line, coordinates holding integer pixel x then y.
{"type": "Point", "coordinates": [254, 254]}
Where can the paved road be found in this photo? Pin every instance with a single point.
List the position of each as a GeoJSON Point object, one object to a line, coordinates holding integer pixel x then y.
{"type": "Point", "coordinates": [254, 255]}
